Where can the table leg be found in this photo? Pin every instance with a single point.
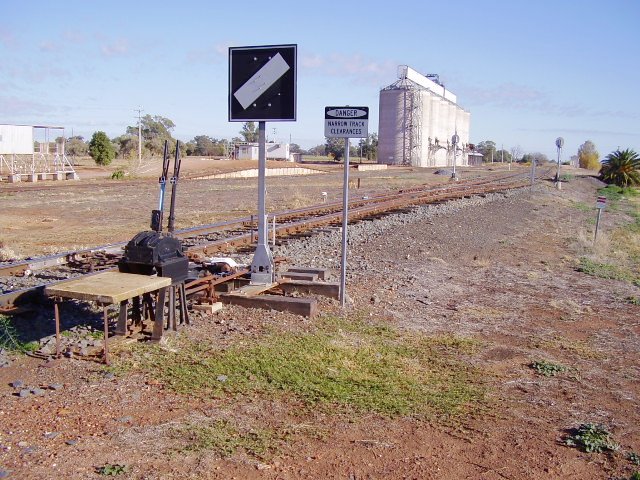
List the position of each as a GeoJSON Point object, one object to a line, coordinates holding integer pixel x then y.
{"type": "Point", "coordinates": [56, 314]}
{"type": "Point", "coordinates": [121, 328]}
{"type": "Point", "coordinates": [172, 308]}
{"type": "Point", "coordinates": [184, 310]}
{"type": "Point", "coordinates": [106, 334]}
{"type": "Point", "coordinates": [158, 324]}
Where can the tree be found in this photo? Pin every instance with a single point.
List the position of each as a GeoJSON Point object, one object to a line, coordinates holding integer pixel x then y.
{"type": "Point", "coordinates": [588, 156]}
{"type": "Point", "coordinates": [295, 148]}
{"type": "Point", "coordinates": [502, 156]}
{"type": "Point", "coordinates": [369, 146]}
{"type": "Point", "coordinates": [535, 156]}
{"type": "Point", "coordinates": [249, 132]}
{"type": "Point", "coordinates": [621, 168]}
{"type": "Point", "coordinates": [127, 146]}
{"type": "Point", "coordinates": [516, 153]}
{"type": "Point", "coordinates": [488, 150]}
{"type": "Point", "coordinates": [155, 130]}
{"type": "Point", "coordinates": [317, 151]}
{"type": "Point", "coordinates": [101, 149]}
{"type": "Point", "coordinates": [335, 148]}
{"type": "Point", "coordinates": [76, 146]}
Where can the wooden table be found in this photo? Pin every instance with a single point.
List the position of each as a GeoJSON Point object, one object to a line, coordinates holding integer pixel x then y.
{"type": "Point", "coordinates": [108, 288]}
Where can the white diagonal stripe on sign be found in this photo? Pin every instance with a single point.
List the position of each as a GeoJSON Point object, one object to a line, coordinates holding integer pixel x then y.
{"type": "Point", "coordinates": [261, 81]}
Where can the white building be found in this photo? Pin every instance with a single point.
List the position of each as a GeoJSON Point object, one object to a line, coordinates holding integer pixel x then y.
{"type": "Point", "coordinates": [249, 151]}
{"type": "Point", "coordinates": [418, 118]}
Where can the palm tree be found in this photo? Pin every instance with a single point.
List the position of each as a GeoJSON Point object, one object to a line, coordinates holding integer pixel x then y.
{"type": "Point", "coordinates": [621, 168]}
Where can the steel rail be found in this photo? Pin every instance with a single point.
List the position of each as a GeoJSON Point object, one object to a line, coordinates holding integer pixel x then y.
{"type": "Point", "coordinates": [49, 261]}
{"type": "Point", "coordinates": [384, 203]}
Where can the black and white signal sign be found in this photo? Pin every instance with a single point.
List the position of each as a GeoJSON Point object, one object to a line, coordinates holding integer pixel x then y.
{"type": "Point", "coordinates": [346, 122]}
{"type": "Point", "coordinates": [262, 83]}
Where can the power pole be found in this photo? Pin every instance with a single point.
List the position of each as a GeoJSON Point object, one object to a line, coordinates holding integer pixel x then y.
{"type": "Point", "coordinates": [139, 110]}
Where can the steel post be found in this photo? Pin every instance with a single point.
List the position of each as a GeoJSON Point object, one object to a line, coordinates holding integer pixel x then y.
{"type": "Point", "coordinates": [595, 236]}
{"type": "Point", "coordinates": [345, 221]}
{"type": "Point", "coordinates": [262, 264]}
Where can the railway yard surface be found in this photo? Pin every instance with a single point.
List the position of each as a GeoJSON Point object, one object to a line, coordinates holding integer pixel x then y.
{"type": "Point", "coordinates": [484, 338]}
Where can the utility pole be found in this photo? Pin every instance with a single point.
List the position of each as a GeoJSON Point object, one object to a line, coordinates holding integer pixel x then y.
{"type": "Point", "coordinates": [139, 110]}
{"type": "Point", "coordinates": [502, 153]}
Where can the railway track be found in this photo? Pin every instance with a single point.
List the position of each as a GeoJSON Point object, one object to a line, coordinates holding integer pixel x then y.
{"type": "Point", "coordinates": [238, 234]}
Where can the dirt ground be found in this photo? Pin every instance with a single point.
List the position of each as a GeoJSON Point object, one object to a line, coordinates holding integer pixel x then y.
{"type": "Point", "coordinates": [502, 273]}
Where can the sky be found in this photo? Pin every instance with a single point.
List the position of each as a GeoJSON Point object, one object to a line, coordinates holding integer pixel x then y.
{"type": "Point", "coordinates": [528, 72]}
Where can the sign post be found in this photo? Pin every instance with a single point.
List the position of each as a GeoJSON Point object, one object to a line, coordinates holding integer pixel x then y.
{"type": "Point", "coordinates": [262, 87]}
{"type": "Point", "coordinates": [601, 204]}
{"type": "Point", "coordinates": [559, 144]}
{"type": "Point", "coordinates": [345, 122]}
{"type": "Point", "coordinates": [454, 144]}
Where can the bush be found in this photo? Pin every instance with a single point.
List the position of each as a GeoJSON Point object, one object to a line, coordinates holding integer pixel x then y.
{"type": "Point", "coordinates": [101, 149]}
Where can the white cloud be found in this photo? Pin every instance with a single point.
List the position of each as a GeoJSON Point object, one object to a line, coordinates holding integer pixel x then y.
{"type": "Point", "coordinates": [116, 48]}
{"type": "Point", "coordinates": [366, 69]}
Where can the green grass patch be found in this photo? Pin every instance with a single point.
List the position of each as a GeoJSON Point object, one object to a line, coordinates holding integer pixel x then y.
{"type": "Point", "coordinates": [341, 364]}
{"type": "Point", "coordinates": [607, 270]}
{"type": "Point", "coordinates": [591, 438]}
{"type": "Point", "coordinates": [615, 193]}
{"type": "Point", "coordinates": [548, 369]}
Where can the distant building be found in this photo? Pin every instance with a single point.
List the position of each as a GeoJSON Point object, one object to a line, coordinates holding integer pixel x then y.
{"type": "Point", "coordinates": [28, 153]}
{"type": "Point", "coordinates": [249, 151]}
{"type": "Point", "coordinates": [418, 118]}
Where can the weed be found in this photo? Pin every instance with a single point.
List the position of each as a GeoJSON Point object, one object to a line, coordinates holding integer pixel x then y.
{"type": "Point", "coordinates": [118, 174]}
{"type": "Point", "coordinates": [635, 476]}
{"type": "Point", "coordinates": [581, 349]}
{"type": "Point", "coordinates": [225, 439]}
{"type": "Point", "coordinates": [583, 207]}
{"type": "Point", "coordinates": [634, 458]}
{"type": "Point", "coordinates": [9, 339]}
{"type": "Point", "coordinates": [351, 364]}
{"type": "Point", "coordinates": [591, 438]}
{"type": "Point", "coordinates": [548, 369]}
{"type": "Point", "coordinates": [633, 300]}
{"type": "Point", "coordinates": [111, 470]}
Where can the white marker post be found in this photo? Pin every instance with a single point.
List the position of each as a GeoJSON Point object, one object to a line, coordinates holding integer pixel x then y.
{"type": "Point", "coordinates": [601, 204]}
{"type": "Point", "coordinates": [345, 122]}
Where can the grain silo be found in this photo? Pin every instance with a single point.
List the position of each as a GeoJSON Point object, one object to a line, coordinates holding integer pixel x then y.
{"type": "Point", "coordinates": [418, 117]}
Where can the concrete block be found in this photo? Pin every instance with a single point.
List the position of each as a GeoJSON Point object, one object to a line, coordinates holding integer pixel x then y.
{"type": "Point", "coordinates": [208, 307]}
{"type": "Point", "coordinates": [309, 277]}
{"type": "Point", "coordinates": [326, 289]}
{"type": "Point", "coordinates": [14, 178]}
{"type": "Point", "coordinates": [320, 272]}
{"type": "Point", "coordinates": [59, 176]}
{"type": "Point", "coordinates": [306, 307]}
{"type": "Point", "coordinates": [32, 177]}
